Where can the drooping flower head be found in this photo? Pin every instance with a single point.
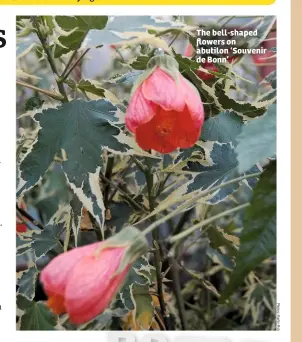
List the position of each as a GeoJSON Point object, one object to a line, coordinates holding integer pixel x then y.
{"type": "Point", "coordinates": [165, 111]}
{"type": "Point", "coordinates": [84, 280]}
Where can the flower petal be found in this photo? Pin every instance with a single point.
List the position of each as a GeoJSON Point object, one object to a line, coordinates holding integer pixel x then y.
{"type": "Point", "coordinates": [57, 304]}
{"type": "Point", "coordinates": [139, 111]}
{"type": "Point", "coordinates": [152, 135]}
{"type": "Point", "coordinates": [91, 286]}
{"type": "Point", "coordinates": [193, 101]}
{"type": "Point", "coordinates": [162, 89]}
{"type": "Point", "coordinates": [185, 132]}
{"type": "Point", "coordinates": [54, 276]}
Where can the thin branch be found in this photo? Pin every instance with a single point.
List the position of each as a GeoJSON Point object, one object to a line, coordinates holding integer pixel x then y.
{"type": "Point", "coordinates": [108, 174]}
{"type": "Point", "coordinates": [199, 278]}
{"type": "Point", "coordinates": [229, 19]}
{"type": "Point", "coordinates": [193, 200]}
{"type": "Point", "coordinates": [195, 308]}
{"type": "Point", "coordinates": [159, 281]}
{"type": "Point", "coordinates": [96, 227]}
{"type": "Point", "coordinates": [182, 221]}
{"type": "Point", "coordinates": [68, 231]}
{"type": "Point", "coordinates": [43, 91]}
{"type": "Point", "coordinates": [68, 63]}
{"type": "Point", "coordinates": [113, 185]}
{"type": "Point", "coordinates": [162, 184]}
{"type": "Point", "coordinates": [178, 295]}
{"type": "Point", "coordinates": [191, 230]}
{"type": "Point", "coordinates": [20, 217]}
{"type": "Point", "coordinates": [66, 75]}
{"type": "Point", "coordinates": [140, 165]}
{"type": "Point", "coordinates": [50, 59]}
{"type": "Point", "coordinates": [157, 253]}
{"type": "Point", "coordinates": [174, 38]}
{"type": "Point", "coordinates": [29, 217]}
{"type": "Point", "coordinates": [159, 321]}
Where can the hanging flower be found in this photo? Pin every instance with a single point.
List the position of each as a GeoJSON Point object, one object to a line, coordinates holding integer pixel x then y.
{"type": "Point", "coordinates": [84, 280]}
{"type": "Point", "coordinates": [165, 111]}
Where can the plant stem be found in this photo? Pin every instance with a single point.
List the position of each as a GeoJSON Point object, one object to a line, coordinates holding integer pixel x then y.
{"type": "Point", "coordinates": [113, 185]}
{"type": "Point", "coordinates": [23, 220]}
{"type": "Point", "coordinates": [68, 63]}
{"type": "Point", "coordinates": [67, 234]}
{"type": "Point", "coordinates": [205, 222]}
{"type": "Point", "coordinates": [195, 308]}
{"type": "Point", "coordinates": [162, 184]}
{"type": "Point", "coordinates": [182, 221]}
{"type": "Point", "coordinates": [29, 217]}
{"type": "Point", "coordinates": [203, 282]}
{"type": "Point", "coordinates": [66, 74]}
{"type": "Point", "coordinates": [190, 230]}
{"type": "Point", "coordinates": [161, 33]}
{"type": "Point", "coordinates": [174, 38]}
{"type": "Point", "coordinates": [140, 165]}
{"type": "Point", "coordinates": [157, 264]}
{"type": "Point", "coordinates": [226, 22]}
{"type": "Point", "coordinates": [178, 295]}
{"type": "Point", "coordinates": [195, 198]}
{"type": "Point", "coordinates": [50, 60]}
{"type": "Point", "coordinates": [157, 254]}
{"type": "Point", "coordinates": [96, 227]}
{"type": "Point", "coordinates": [108, 174]}
{"type": "Point", "coordinates": [46, 92]}
{"type": "Point", "coordinates": [159, 321]}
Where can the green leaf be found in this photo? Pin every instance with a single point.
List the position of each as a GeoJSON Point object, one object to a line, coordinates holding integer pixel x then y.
{"type": "Point", "coordinates": [223, 128]}
{"type": "Point", "coordinates": [241, 108]}
{"type": "Point", "coordinates": [218, 238]}
{"type": "Point", "coordinates": [22, 302]}
{"type": "Point", "coordinates": [271, 79]}
{"type": "Point", "coordinates": [260, 296]}
{"type": "Point", "coordinates": [23, 244]}
{"type": "Point", "coordinates": [38, 317]}
{"type": "Point", "coordinates": [135, 294]}
{"type": "Point", "coordinates": [127, 79]}
{"type": "Point", "coordinates": [46, 240]}
{"type": "Point", "coordinates": [83, 24]}
{"type": "Point", "coordinates": [140, 63]}
{"type": "Point", "coordinates": [214, 167]}
{"type": "Point", "coordinates": [103, 321]}
{"type": "Point", "coordinates": [76, 215]}
{"type": "Point", "coordinates": [263, 29]}
{"type": "Point", "coordinates": [118, 25]}
{"type": "Point", "coordinates": [86, 86]}
{"type": "Point", "coordinates": [186, 64]}
{"type": "Point", "coordinates": [81, 129]}
{"type": "Point", "coordinates": [120, 214]}
{"type": "Point", "coordinates": [258, 237]}
{"type": "Point", "coordinates": [52, 192]}
{"type": "Point", "coordinates": [49, 22]}
{"type": "Point", "coordinates": [27, 282]}
{"type": "Point", "coordinates": [33, 103]}
{"type": "Point", "coordinates": [257, 140]}
{"type": "Point", "coordinates": [135, 277]}
{"type": "Point", "coordinates": [220, 258]}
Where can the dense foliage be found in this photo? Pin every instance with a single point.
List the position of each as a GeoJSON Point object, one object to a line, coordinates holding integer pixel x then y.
{"type": "Point", "coordinates": [81, 177]}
